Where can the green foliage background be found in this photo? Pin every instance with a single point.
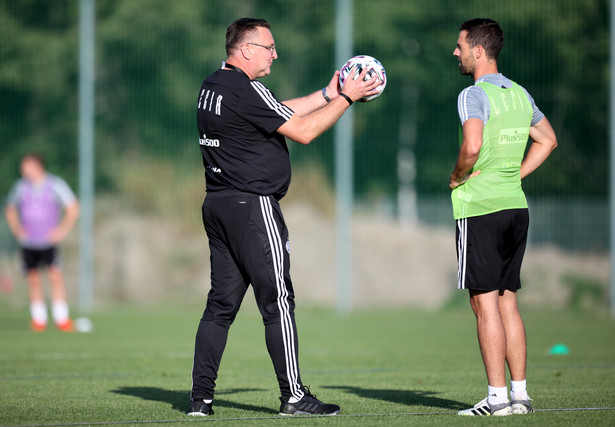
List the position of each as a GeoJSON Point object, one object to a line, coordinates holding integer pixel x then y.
{"type": "Point", "coordinates": [152, 55]}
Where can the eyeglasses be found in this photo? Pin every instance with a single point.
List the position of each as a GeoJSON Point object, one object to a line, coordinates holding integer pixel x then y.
{"type": "Point", "coordinates": [269, 48]}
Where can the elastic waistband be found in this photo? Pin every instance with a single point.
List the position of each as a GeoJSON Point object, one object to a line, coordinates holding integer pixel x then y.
{"type": "Point", "coordinates": [226, 194]}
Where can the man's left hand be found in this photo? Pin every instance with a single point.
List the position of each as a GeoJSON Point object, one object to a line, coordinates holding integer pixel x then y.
{"type": "Point", "coordinates": [334, 88]}
{"type": "Point", "coordinates": [454, 183]}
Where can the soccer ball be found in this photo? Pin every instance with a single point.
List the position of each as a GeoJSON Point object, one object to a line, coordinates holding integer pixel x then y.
{"type": "Point", "coordinates": [355, 65]}
{"type": "Point", "coordinates": [83, 324]}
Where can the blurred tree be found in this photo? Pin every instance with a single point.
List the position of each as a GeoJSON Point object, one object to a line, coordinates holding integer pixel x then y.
{"type": "Point", "coordinates": [152, 56]}
{"type": "Point", "coordinates": [37, 85]}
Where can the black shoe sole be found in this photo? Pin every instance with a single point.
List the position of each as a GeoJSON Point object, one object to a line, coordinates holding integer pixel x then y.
{"type": "Point", "coordinates": [308, 413]}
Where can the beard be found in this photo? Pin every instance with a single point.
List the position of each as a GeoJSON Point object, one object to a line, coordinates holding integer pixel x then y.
{"type": "Point", "coordinates": [465, 69]}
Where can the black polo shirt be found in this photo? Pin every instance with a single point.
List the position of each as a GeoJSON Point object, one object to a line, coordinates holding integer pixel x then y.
{"type": "Point", "coordinates": [237, 120]}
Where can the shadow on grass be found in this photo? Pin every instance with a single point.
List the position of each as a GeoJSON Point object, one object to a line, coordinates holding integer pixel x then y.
{"type": "Point", "coordinates": [403, 397]}
{"type": "Point", "coordinates": [179, 400]}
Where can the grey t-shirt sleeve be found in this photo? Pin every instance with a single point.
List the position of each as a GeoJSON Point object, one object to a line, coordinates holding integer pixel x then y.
{"type": "Point", "coordinates": [473, 103]}
{"type": "Point", "coordinates": [13, 197]}
{"type": "Point", "coordinates": [62, 190]}
{"type": "Point", "coordinates": [538, 115]}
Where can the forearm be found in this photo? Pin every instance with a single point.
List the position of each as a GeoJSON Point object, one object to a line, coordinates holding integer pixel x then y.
{"type": "Point", "coordinates": [316, 100]}
{"type": "Point", "coordinates": [69, 219]}
{"type": "Point", "coordinates": [304, 129]}
{"type": "Point", "coordinates": [12, 219]}
{"type": "Point", "coordinates": [324, 118]}
{"type": "Point", "coordinates": [535, 157]}
{"type": "Point", "coordinates": [544, 143]}
{"type": "Point", "coordinates": [307, 104]}
{"type": "Point", "coordinates": [468, 152]}
{"type": "Point", "coordinates": [465, 163]}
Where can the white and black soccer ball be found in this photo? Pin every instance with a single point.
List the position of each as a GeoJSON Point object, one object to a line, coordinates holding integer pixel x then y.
{"type": "Point", "coordinates": [355, 65]}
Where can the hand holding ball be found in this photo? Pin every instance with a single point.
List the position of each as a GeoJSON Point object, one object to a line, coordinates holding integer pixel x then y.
{"type": "Point", "coordinates": [355, 65]}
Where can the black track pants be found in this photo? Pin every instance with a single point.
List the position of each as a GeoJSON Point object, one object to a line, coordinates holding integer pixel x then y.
{"type": "Point", "coordinates": [248, 241]}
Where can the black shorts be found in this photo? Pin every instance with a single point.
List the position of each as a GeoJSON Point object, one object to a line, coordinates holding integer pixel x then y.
{"type": "Point", "coordinates": [35, 258]}
{"type": "Point", "coordinates": [490, 250]}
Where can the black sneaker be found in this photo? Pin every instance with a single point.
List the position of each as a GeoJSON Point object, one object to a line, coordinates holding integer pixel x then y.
{"type": "Point", "coordinates": [308, 405]}
{"type": "Point", "coordinates": [200, 409]}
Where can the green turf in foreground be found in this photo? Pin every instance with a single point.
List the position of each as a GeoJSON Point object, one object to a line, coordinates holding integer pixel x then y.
{"type": "Point", "coordinates": [136, 364]}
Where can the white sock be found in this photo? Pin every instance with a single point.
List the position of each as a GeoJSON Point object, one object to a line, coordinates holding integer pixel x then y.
{"type": "Point", "coordinates": [208, 401]}
{"type": "Point", "coordinates": [497, 395]}
{"type": "Point", "coordinates": [59, 309]}
{"type": "Point", "coordinates": [38, 311]}
{"type": "Point", "coordinates": [518, 390]}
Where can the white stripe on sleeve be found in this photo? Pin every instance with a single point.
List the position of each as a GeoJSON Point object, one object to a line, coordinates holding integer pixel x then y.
{"type": "Point", "coordinates": [462, 106]}
{"type": "Point", "coordinates": [270, 100]}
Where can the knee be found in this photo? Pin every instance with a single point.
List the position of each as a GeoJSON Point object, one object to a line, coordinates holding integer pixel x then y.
{"type": "Point", "coordinates": [34, 277]}
{"type": "Point", "coordinates": [276, 313]}
{"type": "Point", "coordinates": [223, 318]}
{"type": "Point", "coordinates": [486, 312]}
{"type": "Point", "coordinates": [55, 274]}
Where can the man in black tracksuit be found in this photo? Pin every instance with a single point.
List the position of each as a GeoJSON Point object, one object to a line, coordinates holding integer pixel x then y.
{"type": "Point", "coordinates": [242, 129]}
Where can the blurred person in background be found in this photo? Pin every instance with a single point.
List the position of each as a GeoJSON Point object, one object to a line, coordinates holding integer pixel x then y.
{"type": "Point", "coordinates": [497, 117]}
{"type": "Point", "coordinates": [41, 210]}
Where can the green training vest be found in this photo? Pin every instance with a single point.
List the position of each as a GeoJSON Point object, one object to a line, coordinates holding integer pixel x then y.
{"type": "Point", "coordinates": [505, 136]}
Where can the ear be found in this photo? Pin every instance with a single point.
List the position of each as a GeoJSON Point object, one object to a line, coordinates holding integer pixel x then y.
{"type": "Point", "coordinates": [246, 51]}
{"type": "Point", "coordinates": [479, 51]}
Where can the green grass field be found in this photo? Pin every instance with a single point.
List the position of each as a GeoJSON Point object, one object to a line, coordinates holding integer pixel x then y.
{"type": "Point", "coordinates": [385, 367]}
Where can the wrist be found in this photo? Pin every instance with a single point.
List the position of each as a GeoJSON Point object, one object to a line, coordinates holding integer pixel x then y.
{"type": "Point", "coordinates": [347, 98]}
{"type": "Point", "coordinates": [325, 95]}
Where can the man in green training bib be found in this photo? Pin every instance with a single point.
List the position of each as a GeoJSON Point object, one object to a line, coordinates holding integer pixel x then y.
{"type": "Point", "coordinates": [497, 118]}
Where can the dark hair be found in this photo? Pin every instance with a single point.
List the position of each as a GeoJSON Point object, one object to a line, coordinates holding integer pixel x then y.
{"type": "Point", "coordinates": [36, 156]}
{"type": "Point", "coordinates": [235, 33]}
{"type": "Point", "coordinates": [484, 32]}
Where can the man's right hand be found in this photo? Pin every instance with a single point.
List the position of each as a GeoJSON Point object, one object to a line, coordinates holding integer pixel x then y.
{"type": "Point", "coordinates": [359, 88]}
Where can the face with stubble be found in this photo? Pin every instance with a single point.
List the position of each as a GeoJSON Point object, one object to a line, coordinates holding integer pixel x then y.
{"type": "Point", "coordinates": [463, 52]}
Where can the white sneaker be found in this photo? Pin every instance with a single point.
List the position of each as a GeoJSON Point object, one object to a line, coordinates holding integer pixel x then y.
{"type": "Point", "coordinates": [522, 406]}
{"type": "Point", "coordinates": [483, 408]}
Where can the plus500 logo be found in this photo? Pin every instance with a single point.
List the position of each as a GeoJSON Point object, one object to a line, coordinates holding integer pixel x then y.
{"type": "Point", "coordinates": [209, 142]}
{"type": "Point", "coordinates": [514, 136]}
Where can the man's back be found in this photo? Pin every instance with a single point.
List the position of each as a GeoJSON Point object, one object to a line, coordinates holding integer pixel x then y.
{"type": "Point", "coordinates": [237, 121]}
{"type": "Point", "coordinates": [505, 135]}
